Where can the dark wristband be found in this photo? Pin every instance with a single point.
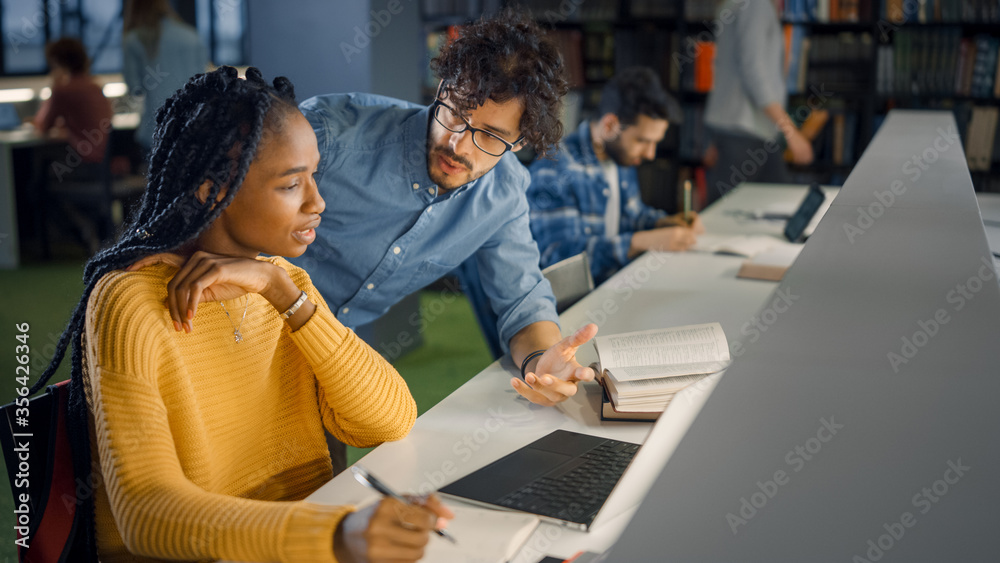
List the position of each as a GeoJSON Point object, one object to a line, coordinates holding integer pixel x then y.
{"type": "Point", "coordinates": [528, 358]}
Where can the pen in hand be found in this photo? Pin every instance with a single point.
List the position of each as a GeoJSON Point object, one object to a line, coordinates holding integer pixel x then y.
{"type": "Point", "coordinates": [369, 480]}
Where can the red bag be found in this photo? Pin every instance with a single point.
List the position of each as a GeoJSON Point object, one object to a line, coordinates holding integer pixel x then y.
{"type": "Point", "coordinates": [39, 461]}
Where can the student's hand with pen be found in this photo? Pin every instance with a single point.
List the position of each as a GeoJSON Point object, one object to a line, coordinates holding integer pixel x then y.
{"type": "Point", "coordinates": [668, 239]}
{"type": "Point", "coordinates": [677, 220]}
{"type": "Point", "coordinates": [395, 531]}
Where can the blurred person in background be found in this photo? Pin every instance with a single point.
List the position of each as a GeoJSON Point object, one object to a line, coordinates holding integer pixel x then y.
{"type": "Point", "coordinates": [161, 53]}
{"type": "Point", "coordinates": [745, 111]}
{"type": "Point", "coordinates": [76, 109]}
{"type": "Point", "coordinates": [586, 197]}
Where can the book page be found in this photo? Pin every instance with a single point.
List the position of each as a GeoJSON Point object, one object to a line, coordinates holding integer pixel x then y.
{"type": "Point", "coordinates": [740, 245]}
{"type": "Point", "coordinates": [666, 347]}
{"type": "Point", "coordinates": [665, 372]}
{"type": "Point", "coordinates": [482, 536]}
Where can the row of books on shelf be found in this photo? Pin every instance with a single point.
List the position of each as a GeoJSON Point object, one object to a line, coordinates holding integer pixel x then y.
{"type": "Point", "coordinates": [939, 62]}
{"type": "Point", "coordinates": [557, 11]}
{"type": "Point", "coordinates": [836, 142]}
{"type": "Point", "coordinates": [929, 11]}
{"type": "Point", "coordinates": [824, 10]}
{"type": "Point", "coordinates": [836, 61]}
{"type": "Point", "coordinates": [693, 137]}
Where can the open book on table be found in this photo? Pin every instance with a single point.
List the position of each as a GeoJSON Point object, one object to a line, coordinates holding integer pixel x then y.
{"type": "Point", "coordinates": [747, 246]}
{"type": "Point", "coordinates": [643, 370]}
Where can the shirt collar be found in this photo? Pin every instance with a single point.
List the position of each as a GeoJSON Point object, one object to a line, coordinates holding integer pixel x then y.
{"type": "Point", "coordinates": [587, 155]}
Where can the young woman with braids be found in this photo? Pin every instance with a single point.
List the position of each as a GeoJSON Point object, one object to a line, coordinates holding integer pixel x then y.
{"type": "Point", "coordinates": [203, 374]}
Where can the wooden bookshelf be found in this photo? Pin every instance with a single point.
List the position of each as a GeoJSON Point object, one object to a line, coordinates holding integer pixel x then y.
{"type": "Point", "coordinates": [658, 33]}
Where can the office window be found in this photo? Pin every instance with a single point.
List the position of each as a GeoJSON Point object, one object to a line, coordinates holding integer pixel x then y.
{"type": "Point", "coordinates": [24, 33]}
{"type": "Point", "coordinates": [27, 25]}
{"type": "Point", "coordinates": [222, 26]}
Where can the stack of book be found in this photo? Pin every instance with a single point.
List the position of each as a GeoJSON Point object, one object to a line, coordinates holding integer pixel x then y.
{"type": "Point", "coordinates": [642, 371]}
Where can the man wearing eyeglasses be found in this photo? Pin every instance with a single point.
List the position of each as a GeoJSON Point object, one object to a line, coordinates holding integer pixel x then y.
{"type": "Point", "coordinates": [413, 191]}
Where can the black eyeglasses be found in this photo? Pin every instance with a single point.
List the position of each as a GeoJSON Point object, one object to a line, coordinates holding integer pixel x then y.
{"type": "Point", "coordinates": [484, 140]}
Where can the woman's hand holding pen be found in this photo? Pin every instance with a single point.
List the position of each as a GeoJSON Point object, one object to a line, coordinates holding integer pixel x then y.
{"type": "Point", "coordinates": [398, 531]}
{"type": "Point", "coordinates": [205, 277]}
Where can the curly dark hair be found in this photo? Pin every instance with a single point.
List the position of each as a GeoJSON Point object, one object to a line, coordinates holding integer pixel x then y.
{"type": "Point", "coordinates": [208, 130]}
{"type": "Point", "coordinates": [502, 58]}
{"type": "Point", "coordinates": [637, 91]}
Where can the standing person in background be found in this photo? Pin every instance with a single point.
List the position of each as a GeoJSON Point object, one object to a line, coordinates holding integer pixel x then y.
{"type": "Point", "coordinates": [745, 112]}
{"type": "Point", "coordinates": [161, 53]}
{"type": "Point", "coordinates": [77, 108]}
{"type": "Point", "coordinates": [586, 197]}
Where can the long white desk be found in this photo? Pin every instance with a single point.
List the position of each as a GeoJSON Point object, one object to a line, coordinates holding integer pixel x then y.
{"type": "Point", "coordinates": [485, 419]}
{"type": "Point", "coordinates": [854, 429]}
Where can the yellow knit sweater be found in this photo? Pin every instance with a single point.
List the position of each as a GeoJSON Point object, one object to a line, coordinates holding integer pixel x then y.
{"type": "Point", "coordinates": [204, 448]}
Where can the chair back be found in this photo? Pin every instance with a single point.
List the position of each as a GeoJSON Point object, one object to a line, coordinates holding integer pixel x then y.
{"type": "Point", "coordinates": [571, 280]}
{"type": "Point", "coordinates": [39, 462]}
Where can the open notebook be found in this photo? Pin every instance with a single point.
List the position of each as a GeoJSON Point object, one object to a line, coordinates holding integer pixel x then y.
{"type": "Point", "coordinates": [482, 536]}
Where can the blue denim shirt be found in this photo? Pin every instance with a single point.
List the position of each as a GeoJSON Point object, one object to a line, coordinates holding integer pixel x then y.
{"type": "Point", "coordinates": [568, 198]}
{"type": "Point", "coordinates": [388, 232]}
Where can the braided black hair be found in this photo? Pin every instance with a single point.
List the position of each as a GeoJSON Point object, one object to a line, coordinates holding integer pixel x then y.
{"type": "Point", "coordinates": [208, 130]}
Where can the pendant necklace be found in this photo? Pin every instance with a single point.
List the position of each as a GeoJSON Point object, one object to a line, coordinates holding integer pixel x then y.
{"type": "Point", "coordinates": [237, 335]}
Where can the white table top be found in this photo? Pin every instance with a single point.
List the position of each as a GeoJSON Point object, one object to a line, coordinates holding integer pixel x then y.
{"type": "Point", "coordinates": [485, 419]}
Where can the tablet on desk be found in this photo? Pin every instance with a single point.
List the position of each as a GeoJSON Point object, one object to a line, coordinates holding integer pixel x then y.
{"type": "Point", "coordinates": [798, 222]}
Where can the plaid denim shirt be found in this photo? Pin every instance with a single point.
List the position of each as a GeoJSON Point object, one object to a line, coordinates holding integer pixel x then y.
{"type": "Point", "coordinates": [568, 197]}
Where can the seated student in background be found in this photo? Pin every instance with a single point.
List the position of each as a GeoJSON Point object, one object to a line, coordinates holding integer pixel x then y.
{"type": "Point", "coordinates": [586, 198]}
{"type": "Point", "coordinates": [205, 373]}
{"type": "Point", "coordinates": [76, 107]}
{"type": "Point", "coordinates": [420, 190]}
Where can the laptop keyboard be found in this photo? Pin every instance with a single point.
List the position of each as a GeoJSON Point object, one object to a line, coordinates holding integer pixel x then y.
{"type": "Point", "coordinates": [575, 492]}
